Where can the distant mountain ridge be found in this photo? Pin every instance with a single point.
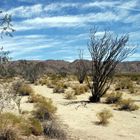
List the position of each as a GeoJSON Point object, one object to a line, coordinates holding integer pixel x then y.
{"type": "Point", "coordinates": [55, 66]}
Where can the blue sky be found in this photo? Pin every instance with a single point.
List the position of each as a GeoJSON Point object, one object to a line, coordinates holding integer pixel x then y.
{"type": "Point", "coordinates": [57, 29]}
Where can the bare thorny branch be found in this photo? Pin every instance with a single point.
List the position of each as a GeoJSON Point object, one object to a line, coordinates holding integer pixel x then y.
{"type": "Point", "coordinates": [5, 25]}
{"type": "Point", "coordinates": [106, 52]}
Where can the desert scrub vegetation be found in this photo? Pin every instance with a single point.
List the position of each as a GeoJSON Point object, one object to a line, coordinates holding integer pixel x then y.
{"type": "Point", "coordinates": [70, 95]}
{"type": "Point", "coordinates": [43, 81]}
{"type": "Point", "coordinates": [53, 130]}
{"type": "Point", "coordinates": [12, 127]}
{"type": "Point", "coordinates": [80, 89]}
{"type": "Point", "coordinates": [113, 97]}
{"type": "Point", "coordinates": [8, 126]}
{"type": "Point", "coordinates": [44, 109]}
{"type": "Point", "coordinates": [60, 87]}
{"type": "Point", "coordinates": [124, 83]}
{"type": "Point", "coordinates": [34, 98]}
{"type": "Point", "coordinates": [104, 117]}
{"type": "Point", "coordinates": [127, 104]}
{"type": "Point", "coordinates": [36, 127]}
{"type": "Point", "coordinates": [25, 90]}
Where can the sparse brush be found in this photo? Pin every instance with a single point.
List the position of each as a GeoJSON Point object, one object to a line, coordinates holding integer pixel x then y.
{"type": "Point", "coordinates": [104, 117]}
{"type": "Point", "coordinates": [44, 109]}
{"type": "Point", "coordinates": [25, 90]}
{"type": "Point", "coordinates": [113, 97]}
{"type": "Point", "coordinates": [69, 95]}
{"type": "Point", "coordinates": [80, 89]}
{"type": "Point", "coordinates": [53, 130]}
{"type": "Point", "coordinates": [58, 89]}
{"type": "Point", "coordinates": [62, 84]}
{"type": "Point", "coordinates": [124, 84]}
{"type": "Point", "coordinates": [43, 81]}
{"type": "Point", "coordinates": [35, 126]}
{"type": "Point", "coordinates": [34, 98]}
{"type": "Point", "coordinates": [127, 104]}
{"type": "Point", "coordinates": [12, 126]}
{"type": "Point", "coordinates": [131, 90]}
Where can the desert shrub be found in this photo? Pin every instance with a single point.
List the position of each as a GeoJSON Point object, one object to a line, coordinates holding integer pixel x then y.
{"type": "Point", "coordinates": [25, 90]}
{"type": "Point", "coordinates": [62, 85]}
{"type": "Point", "coordinates": [35, 126]}
{"type": "Point", "coordinates": [51, 84]}
{"type": "Point", "coordinates": [104, 116]}
{"type": "Point", "coordinates": [12, 126]}
{"type": "Point", "coordinates": [124, 84]}
{"type": "Point", "coordinates": [113, 97]}
{"type": "Point", "coordinates": [131, 90]}
{"type": "Point", "coordinates": [34, 98]}
{"type": "Point", "coordinates": [58, 89]}
{"type": "Point", "coordinates": [80, 89]}
{"type": "Point", "coordinates": [9, 134]}
{"type": "Point", "coordinates": [69, 95]}
{"type": "Point", "coordinates": [44, 109]}
{"type": "Point", "coordinates": [128, 105]}
{"type": "Point", "coordinates": [43, 81]}
{"type": "Point", "coordinates": [53, 130]}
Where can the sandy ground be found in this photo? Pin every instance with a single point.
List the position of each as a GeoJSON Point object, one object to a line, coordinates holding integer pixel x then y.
{"type": "Point", "coordinates": [80, 118]}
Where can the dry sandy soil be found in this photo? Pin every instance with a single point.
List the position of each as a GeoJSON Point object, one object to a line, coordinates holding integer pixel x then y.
{"type": "Point", "coordinates": [80, 117]}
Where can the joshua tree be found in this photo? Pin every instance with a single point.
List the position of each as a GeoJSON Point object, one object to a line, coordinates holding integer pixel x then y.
{"type": "Point", "coordinates": [106, 52]}
{"type": "Point", "coordinates": [80, 68]}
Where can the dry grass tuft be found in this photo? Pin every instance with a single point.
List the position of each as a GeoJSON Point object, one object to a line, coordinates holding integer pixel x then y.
{"type": "Point", "coordinates": [113, 97]}
{"type": "Point", "coordinates": [69, 95]}
{"type": "Point", "coordinates": [25, 90]}
{"type": "Point", "coordinates": [104, 117]}
{"type": "Point", "coordinates": [44, 108]}
{"type": "Point", "coordinates": [127, 104]}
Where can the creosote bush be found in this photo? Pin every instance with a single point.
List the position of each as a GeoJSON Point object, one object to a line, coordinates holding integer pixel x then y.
{"type": "Point", "coordinates": [127, 104]}
{"type": "Point", "coordinates": [104, 116]}
{"type": "Point", "coordinates": [69, 95]}
{"type": "Point", "coordinates": [113, 97]}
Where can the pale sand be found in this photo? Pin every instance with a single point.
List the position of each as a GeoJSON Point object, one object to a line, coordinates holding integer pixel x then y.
{"type": "Point", "coordinates": [80, 118]}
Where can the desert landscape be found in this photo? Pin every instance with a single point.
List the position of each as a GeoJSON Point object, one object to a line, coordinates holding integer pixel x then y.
{"type": "Point", "coordinates": [75, 117]}
{"type": "Point", "coordinates": [69, 70]}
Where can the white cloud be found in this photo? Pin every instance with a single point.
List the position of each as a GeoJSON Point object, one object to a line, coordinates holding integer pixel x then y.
{"type": "Point", "coordinates": [65, 21]}
{"type": "Point", "coordinates": [101, 4]}
{"type": "Point", "coordinates": [26, 11]}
